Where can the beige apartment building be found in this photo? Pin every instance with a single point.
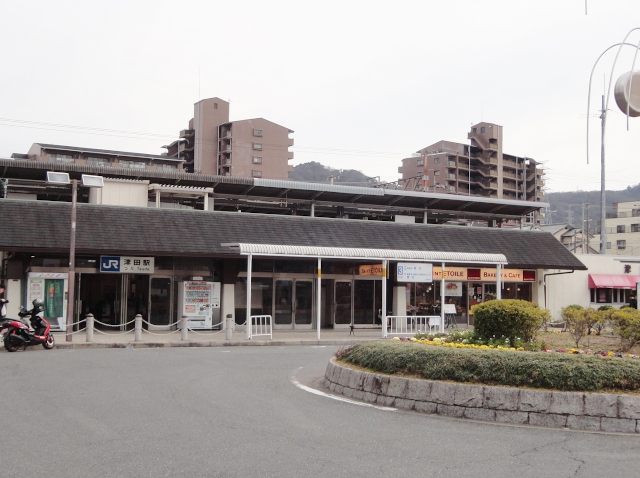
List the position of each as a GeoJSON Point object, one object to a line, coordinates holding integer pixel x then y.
{"type": "Point", "coordinates": [479, 168]}
{"type": "Point", "coordinates": [55, 153]}
{"type": "Point", "coordinates": [623, 229]}
{"type": "Point", "coordinates": [251, 148]}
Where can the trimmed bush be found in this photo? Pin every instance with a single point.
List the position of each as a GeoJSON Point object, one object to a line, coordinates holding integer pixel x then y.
{"type": "Point", "coordinates": [579, 321]}
{"type": "Point", "coordinates": [627, 321]}
{"type": "Point", "coordinates": [510, 318]}
{"type": "Point", "coordinates": [493, 367]}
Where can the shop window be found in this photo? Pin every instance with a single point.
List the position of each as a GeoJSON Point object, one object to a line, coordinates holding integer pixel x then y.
{"type": "Point", "coordinates": [261, 297]}
{"type": "Point", "coordinates": [601, 296]}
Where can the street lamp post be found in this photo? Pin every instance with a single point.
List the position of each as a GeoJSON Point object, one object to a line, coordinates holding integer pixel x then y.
{"type": "Point", "coordinates": [87, 181]}
{"type": "Point", "coordinates": [628, 104]}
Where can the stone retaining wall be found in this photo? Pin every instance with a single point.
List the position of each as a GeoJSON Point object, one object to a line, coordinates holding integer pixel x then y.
{"type": "Point", "coordinates": [577, 410]}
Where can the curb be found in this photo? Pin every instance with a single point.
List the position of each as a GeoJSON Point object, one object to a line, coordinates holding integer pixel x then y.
{"type": "Point", "coordinates": [603, 412]}
{"type": "Point", "coordinates": [248, 343]}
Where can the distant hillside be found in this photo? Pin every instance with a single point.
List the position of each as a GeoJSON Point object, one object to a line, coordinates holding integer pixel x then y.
{"type": "Point", "coordinates": [567, 207]}
{"type": "Point", "coordinates": [315, 172]}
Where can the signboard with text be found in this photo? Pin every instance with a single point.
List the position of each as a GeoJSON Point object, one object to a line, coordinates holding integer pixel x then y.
{"type": "Point", "coordinates": [414, 272]}
{"type": "Point", "coordinates": [127, 265]}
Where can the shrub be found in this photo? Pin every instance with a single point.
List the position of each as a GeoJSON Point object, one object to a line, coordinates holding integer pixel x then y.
{"type": "Point", "coordinates": [509, 318]}
{"type": "Point", "coordinates": [493, 367]}
{"type": "Point", "coordinates": [604, 318]}
{"type": "Point", "coordinates": [627, 321]}
{"type": "Point", "coordinates": [579, 321]}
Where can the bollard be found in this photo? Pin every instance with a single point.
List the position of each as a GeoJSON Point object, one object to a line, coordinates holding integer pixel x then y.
{"type": "Point", "coordinates": [184, 328]}
{"type": "Point", "coordinates": [89, 327]}
{"type": "Point", "coordinates": [138, 325]}
{"type": "Point", "coordinates": [229, 326]}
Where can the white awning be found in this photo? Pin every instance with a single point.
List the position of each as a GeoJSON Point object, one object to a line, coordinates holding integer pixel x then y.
{"type": "Point", "coordinates": [369, 254]}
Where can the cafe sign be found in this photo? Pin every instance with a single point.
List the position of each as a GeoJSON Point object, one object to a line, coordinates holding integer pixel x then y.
{"type": "Point", "coordinates": [484, 274]}
{"type": "Point", "coordinates": [370, 270]}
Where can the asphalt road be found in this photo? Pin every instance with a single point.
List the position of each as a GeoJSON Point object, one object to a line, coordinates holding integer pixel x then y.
{"type": "Point", "coordinates": [236, 412]}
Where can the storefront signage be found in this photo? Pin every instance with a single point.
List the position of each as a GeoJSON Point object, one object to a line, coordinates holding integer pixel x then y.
{"type": "Point", "coordinates": [485, 274]}
{"type": "Point", "coordinates": [127, 264]}
{"type": "Point", "coordinates": [370, 270]}
{"type": "Point", "coordinates": [415, 272]}
{"type": "Point", "coordinates": [453, 289]}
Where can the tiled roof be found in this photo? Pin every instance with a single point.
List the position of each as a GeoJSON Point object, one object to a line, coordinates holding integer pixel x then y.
{"type": "Point", "coordinates": [44, 226]}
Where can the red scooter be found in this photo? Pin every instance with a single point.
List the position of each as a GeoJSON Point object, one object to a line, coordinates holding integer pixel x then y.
{"type": "Point", "coordinates": [17, 333]}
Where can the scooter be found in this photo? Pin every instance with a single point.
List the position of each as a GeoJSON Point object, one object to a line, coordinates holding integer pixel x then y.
{"type": "Point", "coordinates": [18, 334]}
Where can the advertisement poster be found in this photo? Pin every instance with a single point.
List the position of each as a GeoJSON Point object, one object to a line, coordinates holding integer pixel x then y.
{"type": "Point", "coordinates": [453, 289]}
{"type": "Point", "coordinates": [54, 299]}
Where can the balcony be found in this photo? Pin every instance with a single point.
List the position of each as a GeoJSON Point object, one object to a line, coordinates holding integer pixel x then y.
{"type": "Point", "coordinates": [451, 164]}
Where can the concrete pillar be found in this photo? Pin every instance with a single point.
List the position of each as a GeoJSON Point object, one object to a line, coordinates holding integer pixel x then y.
{"type": "Point", "coordinates": [229, 327]}
{"type": "Point", "coordinates": [89, 327]}
{"type": "Point", "coordinates": [184, 328]}
{"type": "Point", "coordinates": [138, 328]}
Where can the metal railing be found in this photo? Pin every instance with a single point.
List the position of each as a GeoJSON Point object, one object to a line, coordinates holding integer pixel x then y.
{"type": "Point", "coordinates": [412, 324]}
{"type": "Point", "coordinates": [261, 325]}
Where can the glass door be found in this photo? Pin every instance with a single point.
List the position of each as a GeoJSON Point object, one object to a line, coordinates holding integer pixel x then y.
{"type": "Point", "coordinates": [343, 303]}
{"type": "Point", "coordinates": [160, 303]}
{"type": "Point", "coordinates": [303, 312]}
{"type": "Point", "coordinates": [283, 306]}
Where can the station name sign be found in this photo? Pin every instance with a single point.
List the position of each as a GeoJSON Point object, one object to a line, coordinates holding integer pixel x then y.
{"type": "Point", "coordinates": [127, 265]}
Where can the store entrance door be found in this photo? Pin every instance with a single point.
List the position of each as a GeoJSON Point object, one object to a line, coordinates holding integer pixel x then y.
{"type": "Point", "coordinates": [137, 298]}
{"type": "Point", "coordinates": [293, 304]}
{"type": "Point", "coordinates": [160, 303]}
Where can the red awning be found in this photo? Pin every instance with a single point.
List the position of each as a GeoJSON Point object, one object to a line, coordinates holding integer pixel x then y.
{"type": "Point", "coordinates": [604, 281]}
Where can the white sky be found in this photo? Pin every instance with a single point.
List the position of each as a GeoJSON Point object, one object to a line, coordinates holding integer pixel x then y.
{"type": "Point", "coordinates": [362, 83]}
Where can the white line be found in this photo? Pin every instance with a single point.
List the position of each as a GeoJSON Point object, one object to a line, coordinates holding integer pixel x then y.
{"type": "Point", "coordinates": [335, 397]}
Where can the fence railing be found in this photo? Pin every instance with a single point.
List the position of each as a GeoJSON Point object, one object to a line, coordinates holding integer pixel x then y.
{"type": "Point", "coordinates": [413, 324]}
{"type": "Point", "coordinates": [261, 325]}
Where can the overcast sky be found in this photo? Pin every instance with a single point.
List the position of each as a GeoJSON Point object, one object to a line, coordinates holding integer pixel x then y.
{"type": "Point", "coordinates": [362, 83]}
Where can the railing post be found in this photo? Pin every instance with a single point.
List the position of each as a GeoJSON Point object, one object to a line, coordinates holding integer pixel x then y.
{"type": "Point", "coordinates": [89, 327]}
{"type": "Point", "coordinates": [229, 327]}
{"type": "Point", "coordinates": [184, 331]}
{"type": "Point", "coordinates": [138, 328]}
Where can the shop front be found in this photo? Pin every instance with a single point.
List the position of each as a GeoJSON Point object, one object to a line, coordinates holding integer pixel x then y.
{"type": "Point", "coordinates": [466, 287]}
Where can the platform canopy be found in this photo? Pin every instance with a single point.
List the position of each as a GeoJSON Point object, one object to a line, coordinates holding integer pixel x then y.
{"type": "Point", "coordinates": [371, 254]}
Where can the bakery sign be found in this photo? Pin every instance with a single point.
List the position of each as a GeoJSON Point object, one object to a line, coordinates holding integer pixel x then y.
{"type": "Point", "coordinates": [484, 274]}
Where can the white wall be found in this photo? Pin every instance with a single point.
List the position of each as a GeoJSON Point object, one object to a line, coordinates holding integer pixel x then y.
{"type": "Point", "coordinates": [573, 288]}
{"type": "Point", "coordinates": [121, 192]}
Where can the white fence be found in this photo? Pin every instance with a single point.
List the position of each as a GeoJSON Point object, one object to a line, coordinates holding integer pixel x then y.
{"type": "Point", "coordinates": [412, 324]}
{"type": "Point", "coordinates": [261, 325]}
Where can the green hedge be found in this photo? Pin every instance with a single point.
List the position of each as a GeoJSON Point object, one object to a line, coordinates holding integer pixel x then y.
{"type": "Point", "coordinates": [498, 367]}
{"type": "Point", "coordinates": [511, 318]}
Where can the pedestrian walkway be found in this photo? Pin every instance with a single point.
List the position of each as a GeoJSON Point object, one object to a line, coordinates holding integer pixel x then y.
{"type": "Point", "coordinates": [216, 338]}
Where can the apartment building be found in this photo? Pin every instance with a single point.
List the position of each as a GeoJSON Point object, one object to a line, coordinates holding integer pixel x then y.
{"type": "Point", "coordinates": [479, 168]}
{"type": "Point", "coordinates": [251, 148]}
{"type": "Point", "coordinates": [105, 158]}
{"type": "Point", "coordinates": [623, 229]}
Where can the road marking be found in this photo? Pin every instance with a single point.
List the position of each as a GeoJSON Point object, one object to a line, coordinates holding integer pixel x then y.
{"type": "Point", "coordinates": [335, 397]}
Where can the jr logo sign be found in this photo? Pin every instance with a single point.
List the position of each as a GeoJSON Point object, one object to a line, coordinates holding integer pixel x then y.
{"type": "Point", "coordinates": [109, 264]}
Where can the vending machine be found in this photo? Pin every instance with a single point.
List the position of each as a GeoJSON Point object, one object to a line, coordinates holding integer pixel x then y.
{"type": "Point", "coordinates": [50, 288]}
{"type": "Point", "coordinates": [200, 302]}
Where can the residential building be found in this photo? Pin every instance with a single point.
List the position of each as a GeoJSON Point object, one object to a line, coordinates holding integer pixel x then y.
{"type": "Point", "coordinates": [251, 148]}
{"type": "Point", "coordinates": [479, 168]}
{"type": "Point", "coordinates": [572, 238]}
{"type": "Point", "coordinates": [623, 229]}
{"type": "Point", "coordinates": [100, 158]}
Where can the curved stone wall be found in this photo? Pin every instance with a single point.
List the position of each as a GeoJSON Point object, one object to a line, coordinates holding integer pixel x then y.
{"type": "Point", "coordinates": [576, 410]}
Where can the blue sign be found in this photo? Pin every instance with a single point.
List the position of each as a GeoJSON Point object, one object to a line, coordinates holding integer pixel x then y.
{"type": "Point", "coordinates": [109, 264]}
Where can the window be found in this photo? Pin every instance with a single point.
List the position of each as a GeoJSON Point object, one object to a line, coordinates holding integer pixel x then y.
{"type": "Point", "coordinates": [257, 132]}
{"type": "Point", "coordinates": [97, 161]}
{"type": "Point", "coordinates": [622, 244]}
{"type": "Point", "coordinates": [257, 174]}
{"type": "Point", "coordinates": [475, 130]}
{"type": "Point", "coordinates": [482, 129]}
{"type": "Point", "coordinates": [62, 158]}
{"type": "Point", "coordinates": [620, 228]}
{"type": "Point", "coordinates": [257, 160]}
{"type": "Point", "coordinates": [436, 173]}
{"type": "Point", "coordinates": [257, 146]}
{"type": "Point", "coordinates": [608, 245]}
{"type": "Point", "coordinates": [166, 167]}
{"type": "Point", "coordinates": [635, 227]}
{"type": "Point", "coordinates": [420, 162]}
{"type": "Point", "coordinates": [133, 164]}
{"type": "Point", "coordinates": [436, 160]}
